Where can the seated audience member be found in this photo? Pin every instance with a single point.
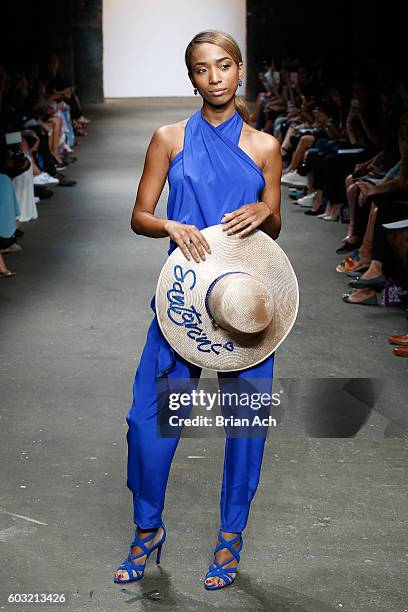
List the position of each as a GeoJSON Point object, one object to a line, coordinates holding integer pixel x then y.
{"type": "Point", "coordinates": [301, 121]}
{"type": "Point", "coordinates": [327, 135]}
{"type": "Point", "coordinates": [323, 129]}
{"type": "Point", "coordinates": [377, 175]}
{"type": "Point", "coordinates": [9, 211]}
{"type": "Point", "coordinates": [391, 207]}
{"type": "Point", "coordinates": [4, 271]}
{"type": "Point", "coordinates": [401, 341]}
{"type": "Point", "coordinates": [268, 99]}
{"type": "Point", "coordinates": [330, 166]}
{"type": "Point", "coordinates": [358, 192]}
{"type": "Point", "coordinates": [47, 112]}
{"type": "Point", "coordinates": [24, 189]}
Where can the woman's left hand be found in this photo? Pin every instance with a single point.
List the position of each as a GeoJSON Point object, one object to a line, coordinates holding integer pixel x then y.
{"type": "Point", "coordinates": [246, 218]}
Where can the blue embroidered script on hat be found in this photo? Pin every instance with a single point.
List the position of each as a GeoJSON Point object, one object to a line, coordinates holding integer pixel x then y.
{"type": "Point", "coordinates": [188, 316]}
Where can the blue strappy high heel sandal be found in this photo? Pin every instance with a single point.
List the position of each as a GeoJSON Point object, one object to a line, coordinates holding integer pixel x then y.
{"type": "Point", "coordinates": [131, 567]}
{"type": "Point", "coordinates": [218, 569]}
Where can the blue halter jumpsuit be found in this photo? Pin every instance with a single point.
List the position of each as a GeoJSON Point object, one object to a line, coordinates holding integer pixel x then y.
{"type": "Point", "coordinates": [209, 177]}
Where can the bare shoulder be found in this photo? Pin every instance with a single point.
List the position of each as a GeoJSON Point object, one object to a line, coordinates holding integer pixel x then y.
{"type": "Point", "coordinates": [171, 129]}
{"type": "Point", "coordinates": [171, 136]}
{"type": "Point", "coordinates": [267, 144]}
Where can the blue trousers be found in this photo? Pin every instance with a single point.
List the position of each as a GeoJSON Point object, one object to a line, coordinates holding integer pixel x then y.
{"type": "Point", "coordinates": [150, 456]}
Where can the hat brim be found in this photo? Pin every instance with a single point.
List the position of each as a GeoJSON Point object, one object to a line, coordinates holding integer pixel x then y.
{"type": "Point", "coordinates": [182, 286]}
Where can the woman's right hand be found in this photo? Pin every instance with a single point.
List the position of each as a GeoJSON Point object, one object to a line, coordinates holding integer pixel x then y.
{"type": "Point", "coordinates": [189, 239]}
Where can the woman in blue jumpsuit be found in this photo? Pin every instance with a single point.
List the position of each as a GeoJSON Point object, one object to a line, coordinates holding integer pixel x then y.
{"type": "Point", "coordinates": [209, 177]}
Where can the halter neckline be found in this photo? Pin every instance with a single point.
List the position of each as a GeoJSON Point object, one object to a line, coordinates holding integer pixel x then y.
{"type": "Point", "coordinates": [220, 124]}
{"type": "Point", "coordinates": [211, 175]}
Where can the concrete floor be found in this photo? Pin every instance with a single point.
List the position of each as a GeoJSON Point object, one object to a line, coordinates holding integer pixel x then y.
{"type": "Point", "coordinates": [328, 527]}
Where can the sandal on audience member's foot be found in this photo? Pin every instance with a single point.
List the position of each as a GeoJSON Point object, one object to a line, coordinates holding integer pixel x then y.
{"type": "Point", "coordinates": [7, 274]}
{"type": "Point", "coordinates": [218, 570]}
{"type": "Point", "coordinates": [352, 263]}
{"type": "Point", "coordinates": [371, 301]}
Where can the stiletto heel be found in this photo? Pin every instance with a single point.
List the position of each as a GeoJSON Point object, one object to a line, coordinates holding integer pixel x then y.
{"type": "Point", "coordinates": [218, 569]}
{"type": "Point", "coordinates": [130, 567]}
{"type": "Point", "coordinates": [158, 554]}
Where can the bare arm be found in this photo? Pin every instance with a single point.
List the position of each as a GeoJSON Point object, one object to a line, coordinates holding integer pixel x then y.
{"type": "Point", "coordinates": [271, 194]}
{"type": "Point", "coordinates": [143, 221]}
{"type": "Point", "coordinates": [386, 186]}
{"type": "Point", "coordinates": [264, 214]}
{"type": "Point", "coordinates": [151, 185]}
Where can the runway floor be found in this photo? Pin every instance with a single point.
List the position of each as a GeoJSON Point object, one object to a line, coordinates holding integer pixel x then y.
{"type": "Point", "coordinates": [328, 527]}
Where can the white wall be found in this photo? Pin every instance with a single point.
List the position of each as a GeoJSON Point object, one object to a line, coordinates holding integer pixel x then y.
{"type": "Point", "coordinates": [145, 41]}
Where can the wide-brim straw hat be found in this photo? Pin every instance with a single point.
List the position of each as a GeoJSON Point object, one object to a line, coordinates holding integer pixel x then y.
{"type": "Point", "coordinates": [233, 310]}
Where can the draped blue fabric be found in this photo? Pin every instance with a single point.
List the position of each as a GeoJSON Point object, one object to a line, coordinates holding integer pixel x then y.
{"type": "Point", "coordinates": [212, 175]}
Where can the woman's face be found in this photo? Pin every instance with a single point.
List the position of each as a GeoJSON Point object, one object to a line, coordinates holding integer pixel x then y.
{"type": "Point", "coordinates": [212, 69]}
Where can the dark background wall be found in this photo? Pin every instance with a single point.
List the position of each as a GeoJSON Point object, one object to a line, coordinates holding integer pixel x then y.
{"type": "Point", "coordinates": [342, 32]}
{"type": "Point", "coordinates": [73, 28]}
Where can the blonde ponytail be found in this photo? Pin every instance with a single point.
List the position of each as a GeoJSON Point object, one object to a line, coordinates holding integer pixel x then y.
{"type": "Point", "coordinates": [242, 109]}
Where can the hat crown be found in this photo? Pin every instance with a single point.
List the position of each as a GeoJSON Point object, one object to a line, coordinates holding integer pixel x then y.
{"type": "Point", "coordinates": [239, 302]}
{"type": "Point", "coordinates": [208, 320]}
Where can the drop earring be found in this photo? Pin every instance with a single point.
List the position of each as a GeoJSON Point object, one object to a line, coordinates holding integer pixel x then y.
{"type": "Point", "coordinates": [240, 82]}
{"type": "Point", "coordinates": [195, 91]}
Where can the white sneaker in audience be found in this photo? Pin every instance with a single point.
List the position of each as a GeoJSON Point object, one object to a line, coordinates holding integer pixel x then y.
{"type": "Point", "coordinates": [53, 180]}
{"type": "Point", "coordinates": [45, 179]}
{"type": "Point", "coordinates": [294, 179]}
{"type": "Point", "coordinates": [307, 200]}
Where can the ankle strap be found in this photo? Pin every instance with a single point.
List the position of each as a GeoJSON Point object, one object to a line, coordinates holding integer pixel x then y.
{"type": "Point", "coordinates": [230, 545]}
{"type": "Point", "coordinates": [138, 541]}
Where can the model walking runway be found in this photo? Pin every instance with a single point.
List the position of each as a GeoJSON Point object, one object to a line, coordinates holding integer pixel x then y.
{"type": "Point", "coordinates": [73, 327]}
